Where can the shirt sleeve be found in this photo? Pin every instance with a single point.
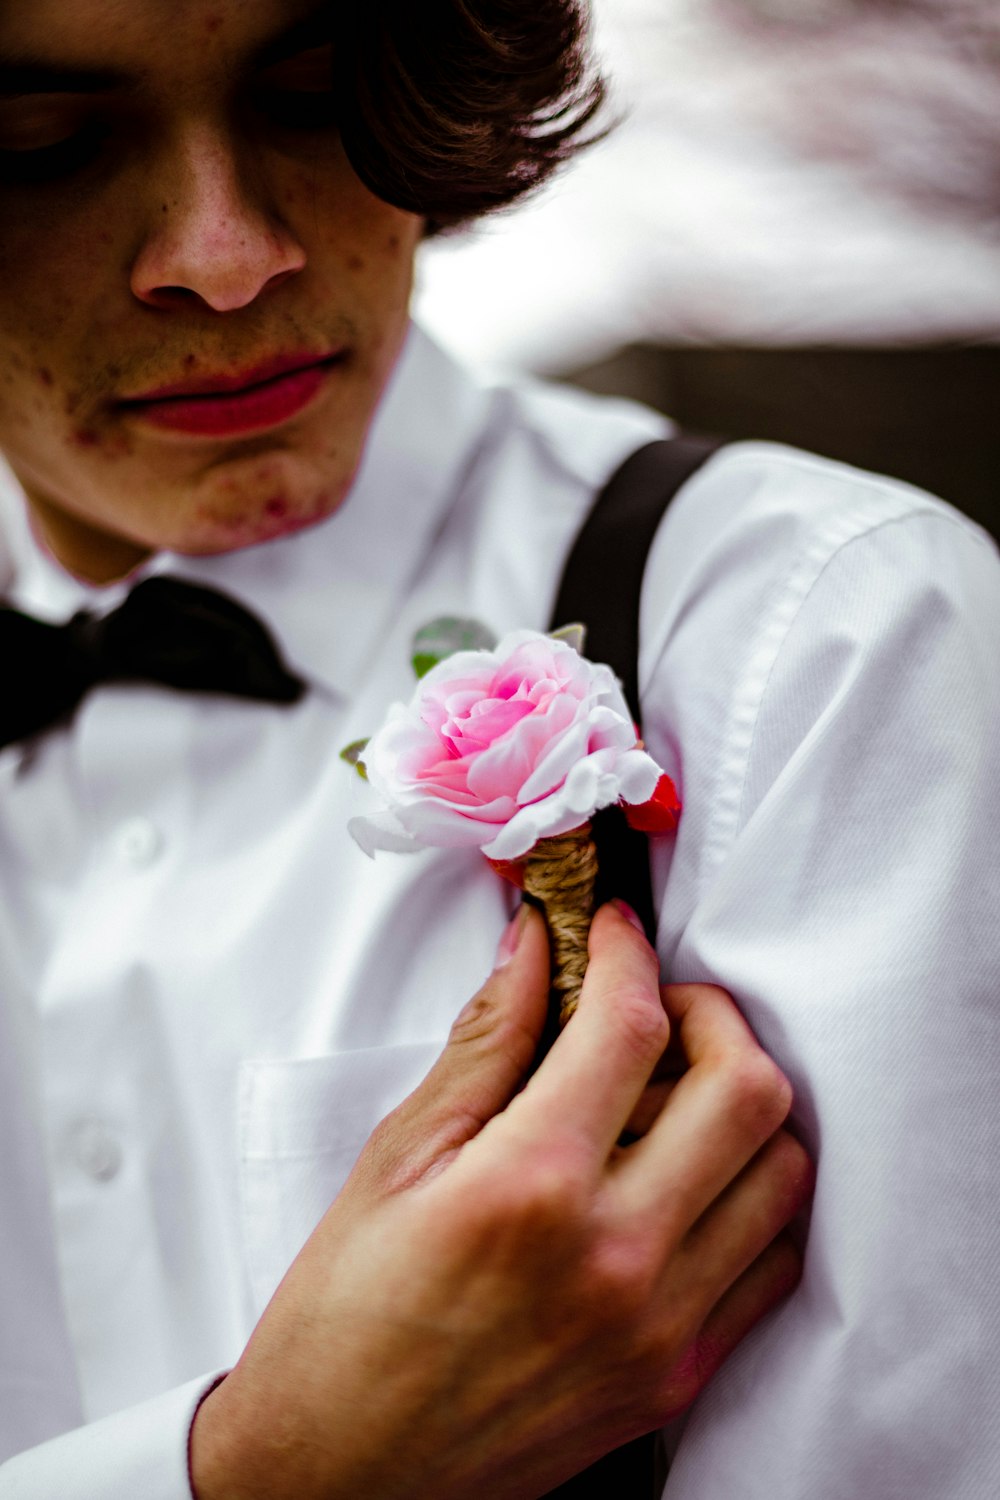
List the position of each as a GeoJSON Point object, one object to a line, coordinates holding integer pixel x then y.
{"type": "Point", "coordinates": [832, 710]}
{"type": "Point", "coordinates": [137, 1454]}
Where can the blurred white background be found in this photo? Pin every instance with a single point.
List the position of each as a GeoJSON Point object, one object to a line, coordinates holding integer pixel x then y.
{"type": "Point", "coordinates": [787, 173]}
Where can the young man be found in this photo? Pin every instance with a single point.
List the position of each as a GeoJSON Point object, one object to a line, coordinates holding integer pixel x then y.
{"type": "Point", "coordinates": [210, 997]}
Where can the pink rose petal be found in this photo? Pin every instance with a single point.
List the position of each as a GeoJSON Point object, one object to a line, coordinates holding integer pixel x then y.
{"type": "Point", "coordinates": [500, 748]}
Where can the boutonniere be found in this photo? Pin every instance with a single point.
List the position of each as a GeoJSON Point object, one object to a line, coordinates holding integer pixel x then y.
{"type": "Point", "coordinates": [510, 747]}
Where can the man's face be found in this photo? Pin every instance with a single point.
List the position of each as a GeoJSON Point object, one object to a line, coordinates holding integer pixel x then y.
{"type": "Point", "coordinates": [199, 301]}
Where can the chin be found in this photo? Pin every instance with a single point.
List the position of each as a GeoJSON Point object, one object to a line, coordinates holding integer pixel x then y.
{"type": "Point", "coordinates": [276, 518]}
{"type": "Point", "coordinates": [261, 499]}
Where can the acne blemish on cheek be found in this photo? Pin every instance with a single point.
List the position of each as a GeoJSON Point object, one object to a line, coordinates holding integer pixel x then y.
{"type": "Point", "coordinates": [212, 23]}
{"type": "Point", "coordinates": [112, 446]}
{"type": "Point", "coordinates": [190, 360]}
{"type": "Point", "coordinates": [45, 375]}
{"type": "Point", "coordinates": [277, 506]}
{"type": "Point", "coordinates": [355, 263]}
{"type": "Point", "coordinates": [392, 243]}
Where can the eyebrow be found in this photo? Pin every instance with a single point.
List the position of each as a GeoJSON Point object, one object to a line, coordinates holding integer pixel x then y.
{"type": "Point", "coordinates": [27, 75]}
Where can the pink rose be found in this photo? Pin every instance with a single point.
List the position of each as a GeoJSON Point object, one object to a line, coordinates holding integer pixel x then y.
{"type": "Point", "coordinates": [498, 749]}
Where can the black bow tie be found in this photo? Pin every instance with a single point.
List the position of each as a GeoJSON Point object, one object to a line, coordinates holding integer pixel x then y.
{"type": "Point", "coordinates": [166, 631]}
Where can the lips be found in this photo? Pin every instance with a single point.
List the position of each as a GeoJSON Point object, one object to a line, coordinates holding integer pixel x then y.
{"type": "Point", "coordinates": [228, 405]}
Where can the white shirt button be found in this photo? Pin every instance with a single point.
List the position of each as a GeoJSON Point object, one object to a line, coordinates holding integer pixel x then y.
{"type": "Point", "coordinates": [139, 842]}
{"type": "Point", "coordinates": [97, 1150]}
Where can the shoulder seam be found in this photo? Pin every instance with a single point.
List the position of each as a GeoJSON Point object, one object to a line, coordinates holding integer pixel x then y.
{"type": "Point", "coordinates": [845, 475]}
{"type": "Point", "coordinates": [921, 514]}
{"type": "Point", "coordinates": [737, 742]}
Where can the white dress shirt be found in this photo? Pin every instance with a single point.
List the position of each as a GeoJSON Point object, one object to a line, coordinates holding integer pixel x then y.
{"type": "Point", "coordinates": [210, 995]}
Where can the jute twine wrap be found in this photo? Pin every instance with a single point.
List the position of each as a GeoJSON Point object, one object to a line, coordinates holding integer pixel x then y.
{"type": "Point", "coordinates": [560, 873]}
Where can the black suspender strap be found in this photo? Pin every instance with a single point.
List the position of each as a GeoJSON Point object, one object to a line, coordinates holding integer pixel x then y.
{"type": "Point", "coordinates": [600, 589]}
{"type": "Point", "coordinates": [603, 574]}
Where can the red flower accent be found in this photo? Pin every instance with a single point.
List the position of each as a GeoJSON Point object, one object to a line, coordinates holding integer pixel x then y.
{"type": "Point", "coordinates": [509, 869]}
{"type": "Point", "coordinates": [660, 813]}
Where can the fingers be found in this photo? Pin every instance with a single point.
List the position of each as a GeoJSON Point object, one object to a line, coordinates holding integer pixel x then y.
{"type": "Point", "coordinates": [753, 1210]}
{"type": "Point", "coordinates": [739, 1260]}
{"type": "Point", "coordinates": [591, 1079]}
{"type": "Point", "coordinates": [671, 1066]}
{"type": "Point", "coordinates": [484, 1063]}
{"type": "Point", "coordinates": [773, 1276]}
{"type": "Point", "coordinates": [648, 1108]}
{"type": "Point", "coordinates": [716, 1118]}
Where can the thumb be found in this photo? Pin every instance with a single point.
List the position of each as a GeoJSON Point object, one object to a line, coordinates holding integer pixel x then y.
{"type": "Point", "coordinates": [486, 1059]}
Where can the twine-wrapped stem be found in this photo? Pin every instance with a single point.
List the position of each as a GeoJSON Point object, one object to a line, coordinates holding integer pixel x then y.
{"type": "Point", "coordinates": [560, 872]}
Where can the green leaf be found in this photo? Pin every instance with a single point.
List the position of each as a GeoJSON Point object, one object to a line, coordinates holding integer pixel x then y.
{"type": "Point", "coordinates": [574, 635]}
{"type": "Point", "coordinates": [352, 755]}
{"type": "Point", "coordinates": [423, 662]}
{"type": "Point", "coordinates": [442, 637]}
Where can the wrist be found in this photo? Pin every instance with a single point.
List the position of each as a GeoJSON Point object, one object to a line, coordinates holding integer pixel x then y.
{"type": "Point", "coordinates": [195, 1491]}
{"type": "Point", "coordinates": [246, 1446]}
{"type": "Point", "coordinates": [222, 1464]}
{"type": "Point", "coordinates": [206, 1460]}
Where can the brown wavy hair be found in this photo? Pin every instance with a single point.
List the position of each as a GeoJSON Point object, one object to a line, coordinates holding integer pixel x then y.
{"type": "Point", "coordinates": [451, 108]}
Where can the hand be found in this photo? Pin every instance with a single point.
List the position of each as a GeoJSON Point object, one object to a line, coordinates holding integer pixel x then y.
{"type": "Point", "coordinates": [502, 1293]}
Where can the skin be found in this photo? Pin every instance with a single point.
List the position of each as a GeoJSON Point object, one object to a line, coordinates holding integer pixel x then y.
{"type": "Point", "coordinates": [559, 1294]}
{"type": "Point", "coordinates": [503, 1290]}
{"type": "Point", "coordinates": [206, 237]}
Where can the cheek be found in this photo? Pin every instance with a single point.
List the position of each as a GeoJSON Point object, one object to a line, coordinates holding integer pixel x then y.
{"type": "Point", "coordinates": [36, 275]}
{"type": "Point", "coordinates": [50, 382]}
{"type": "Point", "coordinates": [40, 416]}
{"type": "Point", "coordinates": [31, 395]}
{"type": "Point", "coordinates": [38, 337]}
{"type": "Point", "coordinates": [62, 280]}
{"type": "Point", "coordinates": [110, 447]}
{"type": "Point", "coordinates": [362, 238]}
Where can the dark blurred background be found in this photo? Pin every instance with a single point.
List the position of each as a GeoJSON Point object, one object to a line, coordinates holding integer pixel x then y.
{"type": "Point", "coordinates": [929, 415]}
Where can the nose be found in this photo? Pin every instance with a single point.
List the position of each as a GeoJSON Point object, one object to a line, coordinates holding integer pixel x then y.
{"type": "Point", "coordinates": [214, 236]}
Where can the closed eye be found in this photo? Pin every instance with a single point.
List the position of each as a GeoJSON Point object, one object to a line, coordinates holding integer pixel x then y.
{"type": "Point", "coordinates": [53, 161]}
{"type": "Point", "coordinates": [298, 91]}
{"type": "Point", "coordinates": [298, 111]}
{"type": "Point", "coordinates": [49, 134]}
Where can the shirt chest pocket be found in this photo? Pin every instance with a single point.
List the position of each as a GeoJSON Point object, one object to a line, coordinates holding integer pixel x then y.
{"type": "Point", "coordinates": [303, 1124]}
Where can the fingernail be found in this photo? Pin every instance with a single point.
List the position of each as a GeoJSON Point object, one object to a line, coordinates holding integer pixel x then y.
{"type": "Point", "coordinates": [510, 938]}
{"type": "Point", "coordinates": [629, 914]}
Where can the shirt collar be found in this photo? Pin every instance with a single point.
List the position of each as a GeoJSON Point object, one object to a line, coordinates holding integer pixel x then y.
{"type": "Point", "coordinates": [327, 593]}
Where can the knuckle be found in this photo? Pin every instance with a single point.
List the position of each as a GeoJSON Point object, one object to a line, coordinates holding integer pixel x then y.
{"type": "Point", "coordinates": [476, 1020]}
{"type": "Point", "coordinates": [794, 1165]}
{"type": "Point", "coordinates": [759, 1092]}
{"type": "Point", "coordinates": [641, 1021]}
{"type": "Point", "coordinates": [529, 1225]}
{"type": "Point", "coordinates": [550, 1189]}
{"type": "Point", "coordinates": [486, 1024]}
{"type": "Point", "coordinates": [537, 1192]}
{"type": "Point", "coordinates": [622, 1284]}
